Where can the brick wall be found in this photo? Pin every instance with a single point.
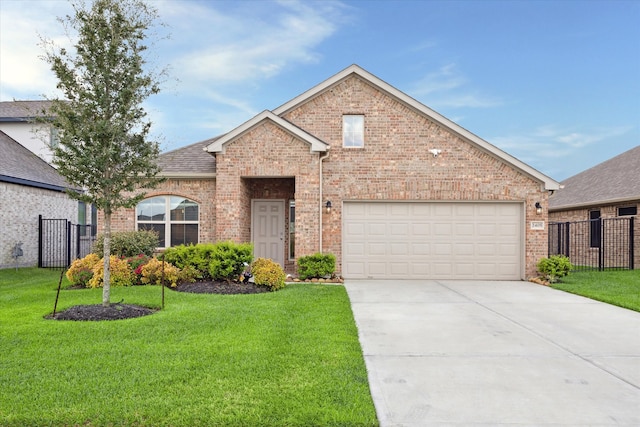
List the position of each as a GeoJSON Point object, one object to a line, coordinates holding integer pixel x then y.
{"type": "Point", "coordinates": [245, 170]}
{"type": "Point", "coordinates": [201, 191]}
{"type": "Point", "coordinates": [21, 206]}
{"type": "Point", "coordinates": [395, 163]}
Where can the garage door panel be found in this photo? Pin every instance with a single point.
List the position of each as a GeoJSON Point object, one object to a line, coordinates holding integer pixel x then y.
{"type": "Point", "coordinates": [420, 229]}
{"type": "Point", "coordinates": [377, 268]}
{"type": "Point", "coordinates": [463, 249]}
{"type": "Point", "coordinates": [355, 249]}
{"type": "Point", "coordinates": [377, 248]}
{"type": "Point", "coordinates": [463, 229]}
{"type": "Point", "coordinates": [377, 210]}
{"type": "Point", "coordinates": [485, 229]}
{"type": "Point", "coordinates": [420, 249]}
{"type": "Point", "coordinates": [508, 229]}
{"type": "Point", "coordinates": [377, 229]}
{"type": "Point", "coordinates": [442, 229]}
{"type": "Point", "coordinates": [442, 210]}
{"type": "Point", "coordinates": [464, 210]}
{"type": "Point", "coordinates": [399, 229]}
{"type": "Point", "coordinates": [399, 249]}
{"type": "Point", "coordinates": [354, 229]}
{"type": "Point", "coordinates": [465, 269]}
{"type": "Point", "coordinates": [442, 249]}
{"type": "Point", "coordinates": [486, 249]}
{"type": "Point", "coordinates": [442, 240]}
{"type": "Point", "coordinates": [400, 268]}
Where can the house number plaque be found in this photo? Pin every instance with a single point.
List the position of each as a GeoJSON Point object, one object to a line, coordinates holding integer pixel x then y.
{"type": "Point", "coordinates": [537, 225]}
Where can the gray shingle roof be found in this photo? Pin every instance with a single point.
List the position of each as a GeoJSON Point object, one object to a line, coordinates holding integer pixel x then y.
{"type": "Point", "coordinates": [615, 180]}
{"type": "Point", "coordinates": [20, 166]}
{"type": "Point", "coordinates": [22, 110]}
{"type": "Point", "coordinates": [190, 160]}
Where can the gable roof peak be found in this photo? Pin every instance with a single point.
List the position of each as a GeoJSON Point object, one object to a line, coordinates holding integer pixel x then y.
{"type": "Point", "coordinates": [316, 145]}
{"type": "Point", "coordinates": [549, 183]}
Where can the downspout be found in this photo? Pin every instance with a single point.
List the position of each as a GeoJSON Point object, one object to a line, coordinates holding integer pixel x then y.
{"type": "Point", "coordinates": [320, 201]}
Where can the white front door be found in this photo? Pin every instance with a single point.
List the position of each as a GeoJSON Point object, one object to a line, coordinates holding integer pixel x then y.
{"type": "Point", "coordinates": [267, 229]}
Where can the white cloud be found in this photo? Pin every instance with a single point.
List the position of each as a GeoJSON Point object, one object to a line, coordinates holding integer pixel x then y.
{"type": "Point", "coordinates": [233, 47]}
{"type": "Point", "coordinates": [444, 79]}
{"type": "Point", "coordinates": [447, 87]}
{"type": "Point", "coordinates": [23, 74]}
{"type": "Point", "coordinates": [551, 146]}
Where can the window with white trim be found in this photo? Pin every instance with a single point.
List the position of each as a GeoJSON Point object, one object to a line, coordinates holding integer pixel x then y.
{"type": "Point", "coordinates": [353, 131]}
{"type": "Point", "coordinates": [175, 219]}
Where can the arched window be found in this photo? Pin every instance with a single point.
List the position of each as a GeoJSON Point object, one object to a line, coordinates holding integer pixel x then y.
{"type": "Point", "coordinates": [175, 219]}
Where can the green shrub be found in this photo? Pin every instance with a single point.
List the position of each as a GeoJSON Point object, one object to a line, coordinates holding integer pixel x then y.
{"type": "Point", "coordinates": [268, 273]}
{"type": "Point", "coordinates": [81, 270]}
{"type": "Point", "coordinates": [197, 257]}
{"type": "Point", "coordinates": [316, 265]}
{"type": "Point", "coordinates": [128, 243]}
{"type": "Point", "coordinates": [120, 273]}
{"type": "Point", "coordinates": [554, 267]}
{"type": "Point", "coordinates": [228, 258]}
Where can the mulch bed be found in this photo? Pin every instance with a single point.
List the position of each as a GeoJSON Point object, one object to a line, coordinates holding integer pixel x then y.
{"type": "Point", "coordinates": [119, 311]}
{"type": "Point", "coordinates": [95, 312]}
{"type": "Point", "coordinates": [226, 288]}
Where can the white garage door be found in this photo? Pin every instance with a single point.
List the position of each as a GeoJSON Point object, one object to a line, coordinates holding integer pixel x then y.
{"type": "Point", "coordinates": [394, 240]}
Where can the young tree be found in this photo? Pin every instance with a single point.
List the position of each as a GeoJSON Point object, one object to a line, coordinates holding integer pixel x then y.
{"type": "Point", "coordinates": [103, 129]}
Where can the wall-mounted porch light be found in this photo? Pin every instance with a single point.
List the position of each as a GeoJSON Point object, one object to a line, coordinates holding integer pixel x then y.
{"type": "Point", "coordinates": [538, 208]}
{"type": "Point", "coordinates": [327, 206]}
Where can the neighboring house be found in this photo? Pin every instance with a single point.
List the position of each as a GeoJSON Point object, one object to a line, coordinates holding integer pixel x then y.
{"type": "Point", "coordinates": [17, 119]}
{"type": "Point", "coordinates": [608, 190]}
{"type": "Point", "coordinates": [356, 168]}
{"type": "Point", "coordinates": [29, 187]}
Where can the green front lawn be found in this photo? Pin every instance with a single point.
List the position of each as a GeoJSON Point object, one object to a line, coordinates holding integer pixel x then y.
{"type": "Point", "coordinates": [620, 288]}
{"type": "Point", "coordinates": [287, 358]}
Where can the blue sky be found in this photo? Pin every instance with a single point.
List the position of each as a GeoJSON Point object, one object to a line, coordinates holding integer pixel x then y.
{"type": "Point", "coordinates": [553, 83]}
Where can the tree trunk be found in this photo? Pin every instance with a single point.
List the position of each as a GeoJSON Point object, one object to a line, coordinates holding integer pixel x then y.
{"type": "Point", "coordinates": [106, 289]}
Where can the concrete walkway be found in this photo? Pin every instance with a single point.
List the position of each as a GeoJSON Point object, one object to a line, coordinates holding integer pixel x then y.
{"type": "Point", "coordinates": [496, 353]}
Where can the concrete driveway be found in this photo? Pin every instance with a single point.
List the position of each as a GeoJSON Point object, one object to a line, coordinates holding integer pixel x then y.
{"type": "Point", "coordinates": [496, 353]}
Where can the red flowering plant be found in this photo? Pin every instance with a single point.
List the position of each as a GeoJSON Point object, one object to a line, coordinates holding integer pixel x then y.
{"type": "Point", "coordinates": [136, 263]}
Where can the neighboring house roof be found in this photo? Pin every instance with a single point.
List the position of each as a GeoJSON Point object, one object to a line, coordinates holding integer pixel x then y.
{"type": "Point", "coordinates": [22, 111]}
{"type": "Point", "coordinates": [188, 161]}
{"type": "Point", "coordinates": [20, 166]}
{"type": "Point", "coordinates": [315, 144]}
{"type": "Point", "coordinates": [613, 181]}
{"type": "Point", "coordinates": [550, 184]}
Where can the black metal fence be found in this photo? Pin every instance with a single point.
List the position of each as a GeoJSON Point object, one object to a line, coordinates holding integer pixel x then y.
{"type": "Point", "coordinates": [60, 242]}
{"type": "Point", "coordinates": [604, 243]}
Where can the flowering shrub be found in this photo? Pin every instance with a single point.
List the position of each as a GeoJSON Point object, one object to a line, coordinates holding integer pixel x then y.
{"type": "Point", "coordinates": [152, 273]}
{"type": "Point", "coordinates": [81, 270]}
{"type": "Point", "coordinates": [121, 273]}
{"type": "Point", "coordinates": [136, 263]}
{"type": "Point", "coordinates": [268, 273]}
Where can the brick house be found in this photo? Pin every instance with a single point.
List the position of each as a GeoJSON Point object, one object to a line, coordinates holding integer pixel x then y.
{"type": "Point", "coordinates": [607, 191]}
{"type": "Point", "coordinates": [356, 168]}
{"type": "Point", "coordinates": [29, 187]}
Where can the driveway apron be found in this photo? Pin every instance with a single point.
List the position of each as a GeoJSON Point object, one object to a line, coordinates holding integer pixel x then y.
{"type": "Point", "coordinates": [496, 353]}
